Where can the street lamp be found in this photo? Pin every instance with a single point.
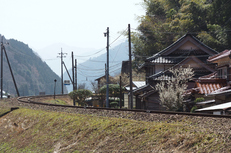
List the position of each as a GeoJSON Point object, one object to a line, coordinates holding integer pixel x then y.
{"type": "Point", "coordinates": [54, 87]}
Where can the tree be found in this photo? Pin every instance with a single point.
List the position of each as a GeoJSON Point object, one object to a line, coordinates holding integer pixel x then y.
{"type": "Point", "coordinates": [171, 91]}
{"type": "Point", "coordinates": [167, 20]}
{"type": "Point", "coordinates": [94, 86]}
{"type": "Point", "coordinates": [136, 76]}
{"type": "Point", "coordinates": [80, 95]}
{"type": "Point", "coordinates": [114, 89]}
{"type": "Point", "coordinates": [81, 86]}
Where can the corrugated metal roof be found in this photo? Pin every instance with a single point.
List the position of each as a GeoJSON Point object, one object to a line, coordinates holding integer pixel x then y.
{"type": "Point", "coordinates": [128, 88]}
{"type": "Point", "coordinates": [139, 84]}
{"type": "Point", "coordinates": [216, 107]}
{"type": "Point", "coordinates": [206, 102]}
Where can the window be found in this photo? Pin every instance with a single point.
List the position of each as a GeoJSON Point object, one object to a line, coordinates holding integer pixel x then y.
{"type": "Point", "coordinates": [219, 73]}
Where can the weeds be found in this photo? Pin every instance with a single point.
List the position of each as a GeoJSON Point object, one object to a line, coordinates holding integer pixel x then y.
{"type": "Point", "coordinates": [43, 131]}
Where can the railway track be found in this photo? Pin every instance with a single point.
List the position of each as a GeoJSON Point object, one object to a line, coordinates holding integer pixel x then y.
{"type": "Point", "coordinates": [31, 100]}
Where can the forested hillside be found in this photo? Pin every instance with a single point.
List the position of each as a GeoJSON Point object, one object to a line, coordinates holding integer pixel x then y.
{"type": "Point", "coordinates": [32, 75]}
{"type": "Point", "coordinates": [168, 20]}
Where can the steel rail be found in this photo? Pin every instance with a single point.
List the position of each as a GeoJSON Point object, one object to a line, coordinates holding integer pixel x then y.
{"type": "Point", "coordinates": [29, 99]}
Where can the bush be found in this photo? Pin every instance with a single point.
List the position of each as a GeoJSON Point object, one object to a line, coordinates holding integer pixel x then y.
{"type": "Point", "coordinates": [80, 95]}
{"type": "Point", "coordinates": [193, 109]}
{"type": "Point", "coordinates": [114, 104]}
{"type": "Point", "coordinates": [200, 99]}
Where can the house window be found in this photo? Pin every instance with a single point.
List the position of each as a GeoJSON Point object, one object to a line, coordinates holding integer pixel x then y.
{"type": "Point", "coordinates": [224, 76]}
{"type": "Point", "coordinates": [222, 73]}
{"type": "Point", "coordinates": [219, 73]}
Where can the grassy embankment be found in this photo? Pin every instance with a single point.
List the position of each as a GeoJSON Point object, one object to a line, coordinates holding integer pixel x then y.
{"type": "Point", "coordinates": [26, 130]}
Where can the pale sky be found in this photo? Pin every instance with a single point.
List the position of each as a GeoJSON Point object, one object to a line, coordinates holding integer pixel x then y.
{"type": "Point", "coordinates": [79, 23]}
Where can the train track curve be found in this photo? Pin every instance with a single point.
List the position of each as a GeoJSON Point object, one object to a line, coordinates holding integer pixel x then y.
{"type": "Point", "coordinates": [31, 100]}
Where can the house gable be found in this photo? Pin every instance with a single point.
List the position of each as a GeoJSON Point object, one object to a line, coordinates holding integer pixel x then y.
{"type": "Point", "coordinates": [185, 44]}
{"type": "Point", "coordinates": [188, 46]}
{"type": "Point", "coordinates": [194, 63]}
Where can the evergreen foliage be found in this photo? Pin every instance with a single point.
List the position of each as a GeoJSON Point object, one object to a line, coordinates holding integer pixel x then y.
{"type": "Point", "coordinates": [80, 95]}
{"type": "Point", "coordinates": [167, 20]}
{"type": "Point", "coordinates": [114, 89]}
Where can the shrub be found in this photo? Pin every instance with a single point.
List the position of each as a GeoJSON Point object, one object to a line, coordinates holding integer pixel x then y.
{"type": "Point", "coordinates": [200, 99]}
{"type": "Point", "coordinates": [114, 104]}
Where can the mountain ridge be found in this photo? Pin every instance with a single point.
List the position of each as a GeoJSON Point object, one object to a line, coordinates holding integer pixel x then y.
{"type": "Point", "coordinates": [32, 75]}
{"type": "Point", "coordinates": [94, 67]}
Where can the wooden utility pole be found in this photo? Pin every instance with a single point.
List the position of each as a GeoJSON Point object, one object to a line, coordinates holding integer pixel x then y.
{"type": "Point", "coordinates": [67, 72]}
{"type": "Point", "coordinates": [73, 75]}
{"type": "Point", "coordinates": [61, 55]}
{"type": "Point", "coordinates": [120, 104]}
{"type": "Point", "coordinates": [7, 59]}
{"type": "Point", "coordinates": [54, 87]}
{"type": "Point", "coordinates": [15, 85]}
{"type": "Point", "coordinates": [130, 66]}
{"type": "Point", "coordinates": [107, 71]}
{"type": "Point", "coordinates": [1, 66]}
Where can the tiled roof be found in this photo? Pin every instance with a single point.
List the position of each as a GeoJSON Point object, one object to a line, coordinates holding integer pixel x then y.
{"type": "Point", "coordinates": [210, 86]}
{"type": "Point", "coordinates": [178, 41]}
{"type": "Point", "coordinates": [225, 90]}
{"type": "Point", "coordinates": [162, 60]}
{"type": "Point", "coordinates": [209, 76]}
{"type": "Point", "coordinates": [219, 56]}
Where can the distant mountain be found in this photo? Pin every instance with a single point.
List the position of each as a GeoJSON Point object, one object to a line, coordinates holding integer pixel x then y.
{"type": "Point", "coordinates": [32, 75]}
{"type": "Point", "coordinates": [95, 67]}
{"type": "Point", "coordinates": [49, 55]}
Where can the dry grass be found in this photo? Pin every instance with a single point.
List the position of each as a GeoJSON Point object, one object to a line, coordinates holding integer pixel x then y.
{"type": "Point", "coordinates": [27, 130]}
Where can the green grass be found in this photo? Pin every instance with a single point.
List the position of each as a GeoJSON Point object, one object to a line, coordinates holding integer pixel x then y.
{"type": "Point", "coordinates": [56, 101]}
{"type": "Point", "coordinates": [4, 110]}
{"type": "Point", "coordinates": [27, 130]}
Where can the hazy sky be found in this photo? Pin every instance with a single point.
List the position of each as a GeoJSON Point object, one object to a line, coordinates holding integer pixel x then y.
{"type": "Point", "coordinates": [79, 23]}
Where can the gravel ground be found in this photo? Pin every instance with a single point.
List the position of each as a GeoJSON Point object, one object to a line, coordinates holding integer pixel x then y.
{"type": "Point", "coordinates": [221, 126]}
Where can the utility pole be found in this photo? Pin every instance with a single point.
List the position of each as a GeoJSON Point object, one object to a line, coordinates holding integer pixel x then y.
{"type": "Point", "coordinates": [3, 49]}
{"type": "Point", "coordinates": [1, 66]}
{"type": "Point", "coordinates": [107, 71]}
{"type": "Point", "coordinates": [120, 104]}
{"type": "Point", "coordinates": [67, 72]}
{"type": "Point", "coordinates": [54, 87]}
{"type": "Point", "coordinates": [130, 66]}
{"type": "Point", "coordinates": [73, 75]}
{"type": "Point", "coordinates": [61, 55]}
{"type": "Point", "coordinates": [7, 59]}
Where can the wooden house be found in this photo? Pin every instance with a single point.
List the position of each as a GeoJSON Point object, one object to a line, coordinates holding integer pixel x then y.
{"type": "Point", "coordinates": [223, 76]}
{"type": "Point", "coordinates": [222, 95]}
{"type": "Point", "coordinates": [186, 51]}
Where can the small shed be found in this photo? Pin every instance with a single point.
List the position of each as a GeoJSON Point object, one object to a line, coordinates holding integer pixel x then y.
{"type": "Point", "coordinates": [221, 109]}
{"type": "Point", "coordinates": [136, 85]}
